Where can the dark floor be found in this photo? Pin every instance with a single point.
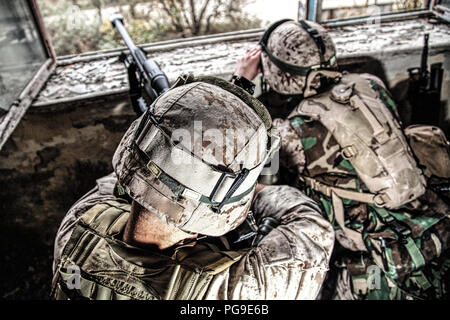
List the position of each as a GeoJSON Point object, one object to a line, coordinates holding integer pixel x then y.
{"type": "Point", "coordinates": [31, 214]}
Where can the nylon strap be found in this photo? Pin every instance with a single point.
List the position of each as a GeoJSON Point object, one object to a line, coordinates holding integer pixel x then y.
{"type": "Point", "coordinates": [316, 37]}
{"type": "Point", "coordinates": [339, 213]}
{"type": "Point", "coordinates": [422, 281]}
{"type": "Point", "coordinates": [343, 193]}
{"type": "Point", "coordinates": [297, 70]}
{"type": "Point", "coordinates": [415, 253]}
{"type": "Point", "coordinates": [357, 103]}
{"type": "Point", "coordinates": [180, 190]}
{"type": "Point", "coordinates": [353, 235]}
{"type": "Point", "coordinates": [291, 68]}
{"type": "Point", "coordinates": [408, 241]}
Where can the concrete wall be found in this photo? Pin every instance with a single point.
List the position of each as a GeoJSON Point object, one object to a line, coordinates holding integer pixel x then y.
{"type": "Point", "coordinates": [52, 159]}
{"type": "Point", "coordinates": [67, 138]}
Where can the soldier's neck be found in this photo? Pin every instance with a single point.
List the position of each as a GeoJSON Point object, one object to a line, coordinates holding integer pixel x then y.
{"type": "Point", "coordinates": [144, 229]}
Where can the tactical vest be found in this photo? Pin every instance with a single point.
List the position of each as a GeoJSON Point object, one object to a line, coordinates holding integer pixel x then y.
{"type": "Point", "coordinates": [96, 265]}
{"type": "Point", "coordinates": [360, 167]}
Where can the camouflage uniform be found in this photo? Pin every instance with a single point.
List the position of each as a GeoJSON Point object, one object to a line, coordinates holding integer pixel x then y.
{"type": "Point", "coordinates": [289, 263]}
{"type": "Point", "coordinates": [343, 146]}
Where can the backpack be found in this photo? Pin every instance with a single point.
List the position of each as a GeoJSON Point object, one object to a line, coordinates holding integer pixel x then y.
{"type": "Point", "coordinates": [360, 168]}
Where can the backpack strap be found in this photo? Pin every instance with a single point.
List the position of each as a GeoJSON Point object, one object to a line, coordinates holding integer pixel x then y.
{"type": "Point", "coordinates": [309, 90]}
{"type": "Point", "coordinates": [366, 197]}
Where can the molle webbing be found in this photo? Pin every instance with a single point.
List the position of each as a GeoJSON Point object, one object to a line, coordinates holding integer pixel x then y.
{"type": "Point", "coordinates": [113, 270]}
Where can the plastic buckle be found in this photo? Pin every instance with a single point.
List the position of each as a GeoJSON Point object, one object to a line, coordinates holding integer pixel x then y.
{"type": "Point", "coordinates": [383, 254]}
{"type": "Point", "coordinates": [401, 230]}
{"type": "Point", "coordinates": [237, 182]}
{"type": "Point", "coordinates": [219, 184]}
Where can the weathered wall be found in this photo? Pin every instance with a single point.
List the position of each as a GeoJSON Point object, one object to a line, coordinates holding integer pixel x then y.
{"type": "Point", "coordinates": [52, 159]}
{"type": "Point", "coordinates": [67, 138]}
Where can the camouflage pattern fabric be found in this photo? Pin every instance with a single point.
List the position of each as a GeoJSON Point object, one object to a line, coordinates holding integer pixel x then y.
{"type": "Point", "coordinates": [204, 131]}
{"type": "Point", "coordinates": [409, 244]}
{"type": "Point", "coordinates": [291, 43]}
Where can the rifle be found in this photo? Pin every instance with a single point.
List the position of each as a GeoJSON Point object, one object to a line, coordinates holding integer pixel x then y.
{"type": "Point", "coordinates": [143, 73]}
{"type": "Point", "coordinates": [424, 91]}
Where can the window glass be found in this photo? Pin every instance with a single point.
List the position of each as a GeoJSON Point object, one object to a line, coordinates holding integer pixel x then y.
{"type": "Point", "coordinates": [445, 3]}
{"type": "Point", "coordinates": [21, 50]}
{"type": "Point", "coordinates": [343, 9]}
{"type": "Point", "coordinates": [78, 26]}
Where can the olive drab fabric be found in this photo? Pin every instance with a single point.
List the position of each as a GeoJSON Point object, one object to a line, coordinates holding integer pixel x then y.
{"type": "Point", "coordinates": [113, 270]}
{"type": "Point", "coordinates": [292, 44]}
{"type": "Point", "coordinates": [346, 149]}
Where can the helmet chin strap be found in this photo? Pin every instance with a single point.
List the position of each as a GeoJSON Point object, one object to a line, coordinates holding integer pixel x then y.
{"type": "Point", "coordinates": [318, 40]}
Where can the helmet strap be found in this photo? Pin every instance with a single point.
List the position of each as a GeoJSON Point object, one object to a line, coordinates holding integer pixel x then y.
{"type": "Point", "coordinates": [326, 75]}
{"type": "Point", "coordinates": [291, 68]}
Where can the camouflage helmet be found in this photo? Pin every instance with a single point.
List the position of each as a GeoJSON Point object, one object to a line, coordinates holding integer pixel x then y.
{"type": "Point", "coordinates": [290, 50]}
{"type": "Point", "coordinates": [194, 161]}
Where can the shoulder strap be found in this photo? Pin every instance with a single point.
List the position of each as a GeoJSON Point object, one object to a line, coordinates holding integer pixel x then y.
{"type": "Point", "coordinates": [108, 218]}
{"type": "Point", "coordinates": [119, 274]}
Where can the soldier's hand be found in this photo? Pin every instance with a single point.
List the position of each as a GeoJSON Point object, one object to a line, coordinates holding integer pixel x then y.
{"type": "Point", "coordinates": [248, 65]}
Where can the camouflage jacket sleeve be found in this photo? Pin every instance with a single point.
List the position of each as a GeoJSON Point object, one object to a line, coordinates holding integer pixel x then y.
{"type": "Point", "coordinates": [103, 191]}
{"type": "Point", "coordinates": [292, 154]}
{"type": "Point", "coordinates": [291, 261]}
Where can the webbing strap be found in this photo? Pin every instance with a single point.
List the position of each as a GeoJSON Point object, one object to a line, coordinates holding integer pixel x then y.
{"type": "Point", "coordinates": [180, 190]}
{"type": "Point", "coordinates": [339, 212]}
{"type": "Point", "coordinates": [405, 234]}
{"type": "Point", "coordinates": [422, 281]}
{"type": "Point", "coordinates": [294, 69]}
{"type": "Point", "coordinates": [291, 68]}
{"type": "Point", "coordinates": [343, 193]}
{"type": "Point", "coordinates": [357, 103]}
{"type": "Point", "coordinates": [316, 37]}
{"type": "Point", "coordinates": [415, 253]}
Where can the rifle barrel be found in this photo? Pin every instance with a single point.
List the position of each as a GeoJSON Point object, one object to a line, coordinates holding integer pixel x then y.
{"type": "Point", "coordinates": [148, 69]}
{"type": "Point", "coordinates": [424, 62]}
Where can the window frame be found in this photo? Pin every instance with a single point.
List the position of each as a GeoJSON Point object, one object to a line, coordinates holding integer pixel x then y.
{"type": "Point", "coordinates": [10, 120]}
{"type": "Point", "coordinates": [440, 11]}
{"type": "Point", "coordinates": [314, 10]}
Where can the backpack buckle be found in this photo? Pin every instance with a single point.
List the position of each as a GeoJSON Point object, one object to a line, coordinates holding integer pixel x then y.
{"type": "Point", "coordinates": [400, 229]}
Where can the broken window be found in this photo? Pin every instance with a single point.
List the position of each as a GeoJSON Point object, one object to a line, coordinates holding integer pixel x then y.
{"type": "Point", "coordinates": [26, 60]}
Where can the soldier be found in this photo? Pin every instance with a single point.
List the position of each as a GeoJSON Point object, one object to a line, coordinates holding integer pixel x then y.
{"type": "Point", "coordinates": [173, 225]}
{"type": "Point", "coordinates": [343, 145]}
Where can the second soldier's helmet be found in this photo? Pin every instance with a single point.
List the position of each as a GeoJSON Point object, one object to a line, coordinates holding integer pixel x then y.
{"type": "Point", "coordinates": [195, 160]}
{"type": "Point", "coordinates": [290, 50]}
